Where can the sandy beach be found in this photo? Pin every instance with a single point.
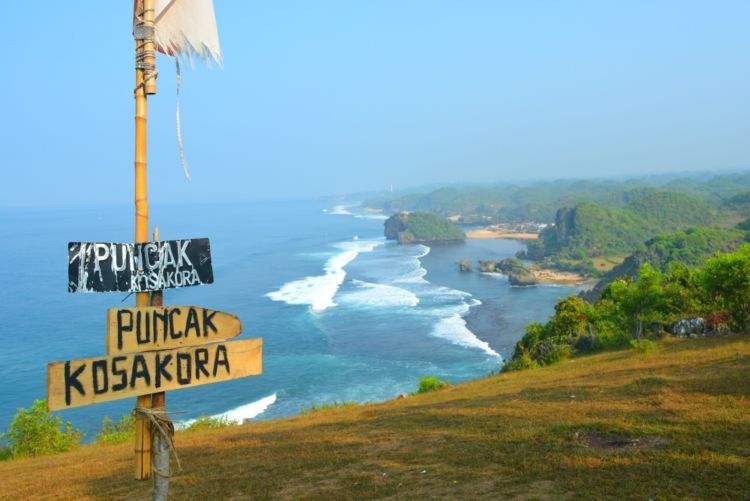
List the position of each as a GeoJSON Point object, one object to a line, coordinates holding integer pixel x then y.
{"type": "Point", "coordinates": [500, 234]}
{"type": "Point", "coordinates": [548, 276]}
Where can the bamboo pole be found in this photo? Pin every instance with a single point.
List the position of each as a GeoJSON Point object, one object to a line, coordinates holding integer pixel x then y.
{"type": "Point", "coordinates": [143, 439]}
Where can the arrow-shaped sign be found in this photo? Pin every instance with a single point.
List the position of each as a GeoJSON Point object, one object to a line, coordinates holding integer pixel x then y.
{"type": "Point", "coordinates": [131, 330]}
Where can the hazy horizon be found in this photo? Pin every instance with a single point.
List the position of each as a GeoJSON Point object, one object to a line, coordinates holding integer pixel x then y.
{"type": "Point", "coordinates": [334, 98]}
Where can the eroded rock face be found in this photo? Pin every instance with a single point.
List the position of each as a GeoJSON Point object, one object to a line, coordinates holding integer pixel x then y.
{"type": "Point", "coordinates": [395, 225]}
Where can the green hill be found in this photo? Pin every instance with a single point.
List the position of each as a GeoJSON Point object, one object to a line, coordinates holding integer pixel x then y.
{"type": "Point", "coordinates": [672, 425]}
{"type": "Point", "coordinates": [422, 227]}
{"type": "Point", "coordinates": [692, 247]}
{"type": "Point", "coordinates": [739, 203]}
{"type": "Point", "coordinates": [540, 201]}
{"type": "Point", "coordinates": [589, 230]}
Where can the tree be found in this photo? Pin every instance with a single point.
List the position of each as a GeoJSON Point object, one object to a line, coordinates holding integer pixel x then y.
{"type": "Point", "coordinates": [571, 316]}
{"type": "Point", "coordinates": [726, 279]}
{"type": "Point", "coordinates": [643, 299]}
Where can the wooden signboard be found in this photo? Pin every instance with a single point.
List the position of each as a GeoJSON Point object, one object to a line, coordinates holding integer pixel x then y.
{"type": "Point", "coordinates": [131, 330]}
{"type": "Point", "coordinates": [151, 266]}
{"type": "Point", "coordinates": [74, 383]}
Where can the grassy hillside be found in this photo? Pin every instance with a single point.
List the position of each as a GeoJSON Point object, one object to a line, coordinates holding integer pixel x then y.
{"type": "Point", "coordinates": [614, 425]}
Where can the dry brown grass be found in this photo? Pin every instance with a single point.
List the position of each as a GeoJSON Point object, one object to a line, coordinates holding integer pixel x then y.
{"type": "Point", "coordinates": [605, 264]}
{"type": "Point", "coordinates": [615, 425]}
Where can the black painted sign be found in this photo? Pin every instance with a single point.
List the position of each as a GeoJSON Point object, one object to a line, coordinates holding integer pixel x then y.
{"type": "Point", "coordinates": [150, 266]}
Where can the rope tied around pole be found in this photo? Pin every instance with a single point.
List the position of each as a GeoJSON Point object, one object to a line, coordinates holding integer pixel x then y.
{"type": "Point", "coordinates": [145, 54]}
{"type": "Point", "coordinates": [160, 423]}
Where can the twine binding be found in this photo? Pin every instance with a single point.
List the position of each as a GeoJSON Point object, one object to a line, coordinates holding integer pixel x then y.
{"type": "Point", "coordinates": [160, 423]}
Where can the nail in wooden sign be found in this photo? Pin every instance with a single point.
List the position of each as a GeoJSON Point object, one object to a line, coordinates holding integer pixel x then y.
{"type": "Point", "coordinates": [74, 383]}
{"type": "Point", "coordinates": [150, 328]}
{"type": "Point", "coordinates": [150, 266]}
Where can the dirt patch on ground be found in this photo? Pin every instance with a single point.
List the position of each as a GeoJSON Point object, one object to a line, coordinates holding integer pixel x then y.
{"type": "Point", "coordinates": [613, 443]}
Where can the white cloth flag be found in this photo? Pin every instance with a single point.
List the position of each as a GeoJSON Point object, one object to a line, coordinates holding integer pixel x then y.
{"type": "Point", "coordinates": [187, 27]}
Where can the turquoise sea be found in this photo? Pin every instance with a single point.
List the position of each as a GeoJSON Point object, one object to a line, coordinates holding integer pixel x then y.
{"type": "Point", "coordinates": [344, 314]}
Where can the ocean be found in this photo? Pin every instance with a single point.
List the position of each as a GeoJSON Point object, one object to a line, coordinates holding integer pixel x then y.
{"type": "Point", "coordinates": [344, 314]}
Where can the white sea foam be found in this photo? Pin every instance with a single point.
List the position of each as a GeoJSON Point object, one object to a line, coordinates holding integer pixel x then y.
{"type": "Point", "coordinates": [371, 216]}
{"type": "Point", "coordinates": [239, 414]}
{"type": "Point", "coordinates": [453, 328]}
{"type": "Point", "coordinates": [318, 291]}
{"type": "Point", "coordinates": [417, 273]}
{"type": "Point", "coordinates": [451, 324]}
{"type": "Point", "coordinates": [370, 295]}
{"type": "Point", "coordinates": [342, 210]}
{"type": "Point", "coordinates": [249, 411]}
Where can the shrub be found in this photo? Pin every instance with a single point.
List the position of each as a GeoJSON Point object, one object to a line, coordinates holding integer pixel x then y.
{"type": "Point", "coordinates": [431, 383]}
{"type": "Point", "coordinates": [116, 433]}
{"type": "Point", "coordinates": [210, 423]}
{"type": "Point", "coordinates": [517, 363]}
{"type": "Point", "coordinates": [645, 346]}
{"type": "Point", "coordinates": [327, 406]}
{"type": "Point", "coordinates": [549, 352]}
{"type": "Point", "coordinates": [36, 432]}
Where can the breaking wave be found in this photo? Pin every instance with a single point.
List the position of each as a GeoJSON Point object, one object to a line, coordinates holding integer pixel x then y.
{"type": "Point", "coordinates": [318, 291]}
{"type": "Point", "coordinates": [371, 295]}
{"type": "Point", "coordinates": [239, 414]}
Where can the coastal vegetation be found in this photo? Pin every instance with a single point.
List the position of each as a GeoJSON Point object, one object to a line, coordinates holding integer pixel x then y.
{"type": "Point", "coordinates": [430, 383]}
{"type": "Point", "coordinates": [596, 228]}
{"type": "Point", "coordinates": [327, 406]}
{"type": "Point", "coordinates": [691, 247]}
{"type": "Point", "coordinates": [116, 432]}
{"type": "Point", "coordinates": [684, 300]}
{"type": "Point", "coordinates": [37, 432]}
{"type": "Point", "coordinates": [539, 202]}
{"type": "Point", "coordinates": [422, 227]}
{"type": "Point", "coordinates": [664, 425]}
{"type": "Point", "coordinates": [210, 423]}
{"type": "Point", "coordinates": [589, 230]}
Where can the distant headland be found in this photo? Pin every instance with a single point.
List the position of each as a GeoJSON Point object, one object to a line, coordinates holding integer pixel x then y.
{"type": "Point", "coordinates": [422, 227]}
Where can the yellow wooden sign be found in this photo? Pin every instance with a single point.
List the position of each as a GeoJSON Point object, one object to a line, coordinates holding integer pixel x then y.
{"type": "Point", "coordinates": [74, 383]}
{"type": "Point", "coordinates": [131, 330]}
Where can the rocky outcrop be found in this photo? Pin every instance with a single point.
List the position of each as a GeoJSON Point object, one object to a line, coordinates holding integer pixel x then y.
{"type": "Point", "coordinates": [688, 327]}
{"type": "Point", "coordinates": [464, 266]}
{"type": "Point", "coordinates": [517, 273]}
{"type": "Point", "coordinates": [521, 277]}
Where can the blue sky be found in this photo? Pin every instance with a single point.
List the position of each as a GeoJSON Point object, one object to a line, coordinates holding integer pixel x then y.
{"type": "Point", "coordinates": [325, 97]}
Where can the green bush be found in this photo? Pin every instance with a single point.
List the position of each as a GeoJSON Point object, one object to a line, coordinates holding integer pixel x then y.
{"type": "Point", "coordinates": [524, 361]}
{"type": "Point", "coordinates": [36, 432]}
{"type": "Point", "coordinates": [431, 383]}
{"type": "Point", "coordinates": [645, 346]}
{"type": "Point", "coordinates": [327, 406]}
{"type": "Point", "coordinates": [210, 423]}
{"type": "Point", "coordinates": [116, 433]}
